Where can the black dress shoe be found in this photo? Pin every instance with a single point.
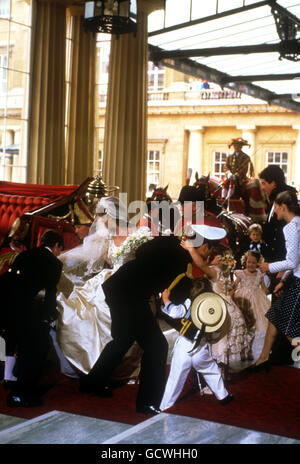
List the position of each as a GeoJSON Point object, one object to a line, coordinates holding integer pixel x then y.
{"type": "Point", "coordinates": [104, 392]}
{"type": "Point", "coordinates": [264, 366]}
{"type": "Point", "coordinates": [226, 400]}
{"type": "Point", "coordinates": [149, 410]}
{"type": "Point", "coordinates": [87, 387]}
{"type": "Point", "coordinates": [20, 401]}
{"type": "Point", "coordinates": [9, 384]}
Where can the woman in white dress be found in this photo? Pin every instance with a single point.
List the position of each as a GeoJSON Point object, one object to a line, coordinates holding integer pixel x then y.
{"type": "Point", "coordinates": [83, 326]}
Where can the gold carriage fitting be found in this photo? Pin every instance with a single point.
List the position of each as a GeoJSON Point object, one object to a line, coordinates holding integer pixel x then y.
{"type": "Point", "coordinates": [208, 312]}
{"type": "Point", "coordinates": [96, 190]}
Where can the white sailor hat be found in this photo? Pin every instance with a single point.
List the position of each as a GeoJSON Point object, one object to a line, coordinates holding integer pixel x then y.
{"type": "Point", "coordinates": [209, 309]}
{"type": "Point", "coordinates": [209, 232]}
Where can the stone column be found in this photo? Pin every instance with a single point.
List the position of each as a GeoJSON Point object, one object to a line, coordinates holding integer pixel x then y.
{"type": "Point", "coordinates": [296, 176]}
{"type": "Point", "coordinates": [125, 137]}
{"type": "Point", "coordinates": [248, 133]}
{"type": "Point", "coordinates": [195, 151]}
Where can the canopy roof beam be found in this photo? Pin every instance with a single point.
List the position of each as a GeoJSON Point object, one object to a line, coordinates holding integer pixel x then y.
{"type": "Point", "coordinates": [200, 71]}
{"type": "Point", "coordinates": [289, 46]}
{"type": "Point", "coordinates": [209, 18]}
{"type": "Point", "coordinates": [261, 77]}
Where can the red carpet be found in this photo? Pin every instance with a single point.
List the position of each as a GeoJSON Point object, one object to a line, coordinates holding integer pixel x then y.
{"type": "Point", "coordinates": [264, 402]}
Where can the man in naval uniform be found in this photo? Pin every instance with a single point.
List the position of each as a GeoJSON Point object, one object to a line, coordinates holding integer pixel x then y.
{"type": "Point", "coordinates": [157, 263]}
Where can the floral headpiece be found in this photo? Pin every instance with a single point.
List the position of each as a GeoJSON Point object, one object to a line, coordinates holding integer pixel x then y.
{"type": "Point", "coordinates": [227, 263]}
{"type": "Point", "coordinates": [252, 253]}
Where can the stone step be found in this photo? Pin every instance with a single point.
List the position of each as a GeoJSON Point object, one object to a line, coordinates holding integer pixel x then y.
{"type": "Point", "coordinates": [9, 421]}
{"type": "Point", "coordinates": [57, 427]}
{"type": "Point", "coordinates": [173, 429]}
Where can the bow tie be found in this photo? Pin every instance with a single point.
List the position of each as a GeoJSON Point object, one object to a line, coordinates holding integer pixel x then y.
{"type": "Point", "coordinates": [255, 246]}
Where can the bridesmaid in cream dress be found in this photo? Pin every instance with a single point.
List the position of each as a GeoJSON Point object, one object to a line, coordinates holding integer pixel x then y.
{"type": "Point", "coordinates": [83, 326]}
{"type": "Point", "coordinates": [250, 291]}
{"type": "Point", "coordinates": [234, 341]}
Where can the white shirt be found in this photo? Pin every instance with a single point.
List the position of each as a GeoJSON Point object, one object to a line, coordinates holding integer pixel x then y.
{"type": "Point", "coordinates": [292, 242]}
{"type": "Point", "coordinates": [177, 311]}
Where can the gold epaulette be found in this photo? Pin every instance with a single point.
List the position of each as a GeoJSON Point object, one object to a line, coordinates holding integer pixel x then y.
{"type": "Point", "coordinates": [188, 273]}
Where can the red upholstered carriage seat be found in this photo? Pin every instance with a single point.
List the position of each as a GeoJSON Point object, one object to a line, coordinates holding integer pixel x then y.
{"type": "Point", "coordinates": [17, 199]}
{"type": "Point", "coordinates": [14, 206]}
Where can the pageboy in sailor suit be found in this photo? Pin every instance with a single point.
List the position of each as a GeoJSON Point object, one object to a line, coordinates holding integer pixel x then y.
{"type": "Point", "coordinates": [190, 351]}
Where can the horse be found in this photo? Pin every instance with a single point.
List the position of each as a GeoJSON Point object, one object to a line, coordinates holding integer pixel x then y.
{"type": "Point", "coordinates": [253, 204]}
{"type": "Point", "coordinates": [235, 223]}
{"type": "Point", "coordinates": [160, 194]}
{"type": "Point", "coordinates": [162, 214]}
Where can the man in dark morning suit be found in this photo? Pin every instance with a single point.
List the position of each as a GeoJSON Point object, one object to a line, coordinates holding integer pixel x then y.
{"type": "Point", "coordinates": [273, 182]}
{"type": "Point", "coordinates": [29, 312]}
{"type": "Point", "coordinates": [157, 263]}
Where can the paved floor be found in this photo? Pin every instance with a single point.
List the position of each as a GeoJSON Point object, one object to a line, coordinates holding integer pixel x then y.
{"type": "Point", "coordinates": [58, 427]}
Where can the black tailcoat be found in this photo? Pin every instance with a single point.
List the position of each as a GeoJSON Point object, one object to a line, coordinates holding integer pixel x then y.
{"type": "Point", "coordinates": [26, 316]}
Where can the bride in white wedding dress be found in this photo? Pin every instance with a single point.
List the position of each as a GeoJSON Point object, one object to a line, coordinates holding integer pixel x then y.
{"type": "Point", "coordinates": [83, 326]}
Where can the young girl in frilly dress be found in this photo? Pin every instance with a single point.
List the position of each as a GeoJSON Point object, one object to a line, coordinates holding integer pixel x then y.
{"type": "Point", "coordinates": [250, 291]}
{"type": "Point", "coordinates": [234, 341]}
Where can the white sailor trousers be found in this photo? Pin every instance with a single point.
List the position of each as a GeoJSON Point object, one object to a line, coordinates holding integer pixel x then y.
{"type": "Point", "coordinates": [182, 362]}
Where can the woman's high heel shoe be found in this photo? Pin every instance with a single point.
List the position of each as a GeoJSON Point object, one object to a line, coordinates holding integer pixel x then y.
{"type": "Point", "coordinates": [264, 366]}
{"type": "Point", "coordinates": [254, 368]}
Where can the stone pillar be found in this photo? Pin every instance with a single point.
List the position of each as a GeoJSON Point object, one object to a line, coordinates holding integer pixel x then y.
{"type": "Point", "coordinates": [296, 176]}
{"type": "Point", "coordinates": [195, 151]}
{"type": "Point", "coordinates": [248, 133]}
{"type": "Point", "coordinates": [125, 137]}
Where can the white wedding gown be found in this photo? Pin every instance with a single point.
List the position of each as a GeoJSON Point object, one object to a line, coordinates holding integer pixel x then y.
{"type": "Point", "coordinates": [83, 326]}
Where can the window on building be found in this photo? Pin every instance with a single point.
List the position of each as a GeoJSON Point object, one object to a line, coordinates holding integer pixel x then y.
{"type": "Point", "coordinates": [153, 171]}
{"type": "Point", "coordinates": [3, 73]}
{"type": "Point", "coordinates": [100, 161]}
{"type": "Point", "coordinates": [219, 158]}
{"type": "Point", "coordinates": [4, 8]}
{"type": "Point", "coordinates": [155, 77]}
{"type": "Point", "coordinates": [102, 65]}
{"type": "Point", "coordinates": [15, 32]}
{"type": "Point", "coordinates": [278, 158]}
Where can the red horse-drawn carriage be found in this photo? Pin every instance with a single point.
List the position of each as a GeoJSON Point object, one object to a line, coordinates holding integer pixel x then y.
{"type": "Point", "coordinates": [27, 210]}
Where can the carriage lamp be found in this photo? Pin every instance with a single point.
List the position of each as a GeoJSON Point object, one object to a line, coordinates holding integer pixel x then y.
{"type": "Point", "coordinates": [96, 190]}
{"type": "Point", "coordinates": [111, 16]}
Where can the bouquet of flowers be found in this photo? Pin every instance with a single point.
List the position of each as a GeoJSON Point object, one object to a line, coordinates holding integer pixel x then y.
{"type": "Point", "coordinates": [227, 263]}
{"type": "Point", "coordinates": [132, 242]}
